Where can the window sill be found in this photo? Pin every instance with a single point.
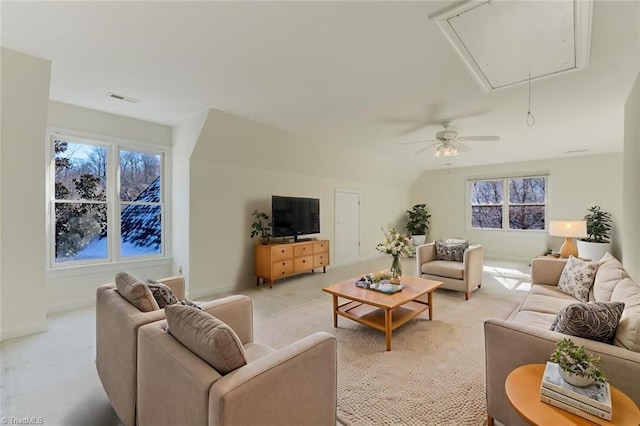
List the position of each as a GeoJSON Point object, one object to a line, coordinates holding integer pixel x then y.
{"type": "Point", "coordinates": [71, 271]}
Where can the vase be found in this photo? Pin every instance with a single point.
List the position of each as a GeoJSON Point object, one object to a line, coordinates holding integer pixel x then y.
{"type": "Point", "coordinates": [575, 379]}
{"type": "Point", "coordinates": [264, 240]}
{"type": "Point", "coordinates": [396, 270]}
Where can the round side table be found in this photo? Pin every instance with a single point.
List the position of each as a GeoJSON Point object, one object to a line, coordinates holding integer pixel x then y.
{"type": "Point", "coordinates": [523, 392]}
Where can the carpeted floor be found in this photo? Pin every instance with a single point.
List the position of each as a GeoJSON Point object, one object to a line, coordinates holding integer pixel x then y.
{"type": "Point", "coordinates": [434, 374]}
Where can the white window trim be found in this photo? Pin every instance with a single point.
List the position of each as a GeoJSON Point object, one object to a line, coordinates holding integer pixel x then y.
{"type": "Point", "coordinates": [113, 145]}
{"type": "Point", "coordinates": [505, 202]}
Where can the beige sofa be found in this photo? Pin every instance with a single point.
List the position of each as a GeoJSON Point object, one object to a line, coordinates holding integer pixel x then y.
{"type": "Point", "coordinates": [458, 276]}
{"type": "Point", "coordinates": [295, 385]}
{"type": "Point", "coordinates": [525, 337]}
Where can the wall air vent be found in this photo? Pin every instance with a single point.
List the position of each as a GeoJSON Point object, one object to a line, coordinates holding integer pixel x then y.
{"type": "Point", "coordinates": [124, 98]}
{"type": "Point", "coordinates": [502, 42]}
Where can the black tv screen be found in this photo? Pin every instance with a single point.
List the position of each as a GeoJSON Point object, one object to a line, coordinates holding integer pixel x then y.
{"type": "Point", "coordinates": [293, 216]}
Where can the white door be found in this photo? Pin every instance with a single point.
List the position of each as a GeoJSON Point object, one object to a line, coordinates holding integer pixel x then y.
{"type": "Point", "coordinates": [347, 238]}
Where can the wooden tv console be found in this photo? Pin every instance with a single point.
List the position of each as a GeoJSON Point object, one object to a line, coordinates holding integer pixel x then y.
{"type": "Point", "coordinates": [279, 260]}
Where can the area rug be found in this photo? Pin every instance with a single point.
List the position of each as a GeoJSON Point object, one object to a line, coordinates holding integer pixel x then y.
{"type": "Point", "coordinates": [434, 374]}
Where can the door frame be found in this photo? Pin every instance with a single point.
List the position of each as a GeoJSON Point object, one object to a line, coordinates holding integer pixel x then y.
{"type": "Point", "coordinates": [335, 224]}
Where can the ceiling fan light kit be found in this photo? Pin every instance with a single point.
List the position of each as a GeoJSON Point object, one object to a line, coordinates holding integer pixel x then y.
{"type": "Point", "coordinates": [449, 144]}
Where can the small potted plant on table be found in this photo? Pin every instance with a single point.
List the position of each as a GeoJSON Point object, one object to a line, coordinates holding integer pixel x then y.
{"type": "Point", "coordinates": [259, 228]}
{"type": "Point", "coordinates": [577, 367]}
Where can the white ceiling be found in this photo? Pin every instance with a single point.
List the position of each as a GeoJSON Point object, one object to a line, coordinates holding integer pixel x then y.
{"type": "Point", "coordinates": [353, 74]}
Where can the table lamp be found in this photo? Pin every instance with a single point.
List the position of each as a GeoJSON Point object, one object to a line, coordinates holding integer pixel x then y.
{"type": "Point", "coordinates": [568, 230]}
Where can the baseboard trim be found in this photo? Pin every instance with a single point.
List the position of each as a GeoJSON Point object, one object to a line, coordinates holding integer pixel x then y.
{"type": "Point", "coordinates": [24, 330]}
{"type": "Point", "coordinates": [67, 306]}
{"type": "Point", "coordinates": [194, 295]}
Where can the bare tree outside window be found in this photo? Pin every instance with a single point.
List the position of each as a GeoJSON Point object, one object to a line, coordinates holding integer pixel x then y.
{"type": "Point", "coordinates": [525, 207]}
{"type": "Point", "coordinates": [83, 207]}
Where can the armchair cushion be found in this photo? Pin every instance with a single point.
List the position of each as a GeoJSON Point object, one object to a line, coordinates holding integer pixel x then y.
{"type": "Point", "coordinates": [206, 336]}
{"type": "Point", "coordinates": [577, 278]}
{"type": "Point", "coordinates": [593, 320]}
{"type": "Point", "coordinates": [162, 293]}
{"type": "Point", "coordinates": [628, 333]}
{"type": "Point", "coordinates": [451, 251]}
{"type": "Point", "coordinates": [136, 292]}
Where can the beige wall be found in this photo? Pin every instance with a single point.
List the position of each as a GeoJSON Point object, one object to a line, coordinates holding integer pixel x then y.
{"type": "Point", "coordinates": [574, 186]}
{"type": "Point", "coordinates": [25, 93]}
{"type": "Point", "coordinates": [69, 288]}
{"type": "Point", "coordinates": [631, 190]}
{"type": "Point", "coordinates": [235, 168]}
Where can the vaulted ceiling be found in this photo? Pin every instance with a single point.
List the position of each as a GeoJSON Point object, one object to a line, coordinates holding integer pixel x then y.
{"type": "Point", "coordinates": [361, 75]}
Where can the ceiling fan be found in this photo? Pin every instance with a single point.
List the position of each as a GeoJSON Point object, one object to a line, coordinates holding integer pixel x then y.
{"type": "Point", "coordinates": [448, 143]}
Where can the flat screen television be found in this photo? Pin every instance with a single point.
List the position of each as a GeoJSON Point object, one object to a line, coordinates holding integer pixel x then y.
{"type": "Point", "coordinates": [293, 216]}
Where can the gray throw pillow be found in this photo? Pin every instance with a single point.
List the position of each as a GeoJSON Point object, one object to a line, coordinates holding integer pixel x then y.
{"type": "Point", "coordinates": [593, 320]}
{"type": "Point", "coordinates": [136, 292]}
{"type": "Point", "coordinates": [162, 293]}
{"type": "Point", "coordinates": [577, 278]}
{"type": "Point", "coordinates": [206, 336]}
{"type": "Point", "coordinates": [451, 251]}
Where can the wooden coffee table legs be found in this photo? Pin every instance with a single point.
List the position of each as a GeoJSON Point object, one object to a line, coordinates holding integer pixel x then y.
{"type": "Point", "coordinates": [387, 327]}
{"type": "Point", "coordinates": [335, 311]}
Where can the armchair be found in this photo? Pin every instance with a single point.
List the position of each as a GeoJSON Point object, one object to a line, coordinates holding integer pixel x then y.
{"type": "Point", "coordinates": [458, 276]}
{"type": "Point", "coordinates": [294, 385]}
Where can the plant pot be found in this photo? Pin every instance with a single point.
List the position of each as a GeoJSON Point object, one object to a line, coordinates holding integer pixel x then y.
{"type": "Point", "coordinates": [593, 251]}
{"type": "Point", "coordinates": [264, 240]}
{"type": "Point", "coordinates": [576, 380]}
{"type": "Point", "coordinates": [418, 240]}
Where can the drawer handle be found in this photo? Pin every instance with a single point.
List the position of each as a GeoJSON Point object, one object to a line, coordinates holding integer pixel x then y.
{"type": "Point", "coordinates": [282, 263]}
{"type": "Point", "coordinates": [281, 251]}
{"type": "Point", "coordinates": [304, 261]}
{"type": "Point", "coordinates": [282, 272]}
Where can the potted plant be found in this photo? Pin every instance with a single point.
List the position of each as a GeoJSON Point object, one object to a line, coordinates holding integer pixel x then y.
{"type": "Point", "coordinates": [418, 224]}
{"type": "Point", "coordinates": [577, 367]}
{"type": "Point", "coordinates": [259, 228]}
{"type": "Point", "coordinates": [598, 240]}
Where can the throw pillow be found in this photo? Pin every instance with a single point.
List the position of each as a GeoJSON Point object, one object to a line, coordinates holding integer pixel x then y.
{"type": "Point", "coordinates": [577, 278]}
{"type": "Point", "coordinates": [136, 292]}
{"type": "Point", "coordinates": [628, 333]}
{"type": "Point", "coordinates": [451, 251]}
{"type": "Point", "coordinates": [593, 320]}
{"type": "Point", "coordinates": [609, 274]}
{"type": "Point", "coordinates": [206, 336]}
{"type": "Point", "coordinates": [188, 302]}
{"type": "Point", "coordinates": [162, 293]}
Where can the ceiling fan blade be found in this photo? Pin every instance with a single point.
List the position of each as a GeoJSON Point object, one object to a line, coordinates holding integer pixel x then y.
{"type": "Point", "coordinates": [478, 138]}
{"type": "Point", "coordinates": [414, 142]}
{"type": "Point", "coordinates": [462, 147]}
{"type": "Point", "coordinates": [426, 148]}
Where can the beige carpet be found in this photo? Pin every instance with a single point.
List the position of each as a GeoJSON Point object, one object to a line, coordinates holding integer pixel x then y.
{"type": "Point", "coordinates": [434, 374]}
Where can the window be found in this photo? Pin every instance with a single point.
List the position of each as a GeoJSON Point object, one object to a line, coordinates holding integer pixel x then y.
{"type": "Point", "coordinates": [517, 203]}
{"type": "Point", "coordinates": [106, 201]}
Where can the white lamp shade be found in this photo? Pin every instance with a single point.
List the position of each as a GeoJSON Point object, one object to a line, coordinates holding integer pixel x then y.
{"type": "Point", "coordinates": [571, 229]}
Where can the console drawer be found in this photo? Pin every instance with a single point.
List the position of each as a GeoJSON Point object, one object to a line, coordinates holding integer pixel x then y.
{"type": "Point", "coordinates": [303, 263]}
{"type": "Point", "coordinates": [281, 252]}
{"type": "Point", "coordinates": [281, 268]}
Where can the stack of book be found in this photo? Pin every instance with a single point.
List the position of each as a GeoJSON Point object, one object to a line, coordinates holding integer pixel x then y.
{"type": "Point", "coordinates": [593, 400]}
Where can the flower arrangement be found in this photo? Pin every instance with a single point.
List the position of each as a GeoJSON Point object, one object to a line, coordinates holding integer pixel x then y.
{"type": "Point", "coordinates": [574, 359]}
{"type": "Point", "coordinates": [395, 244]}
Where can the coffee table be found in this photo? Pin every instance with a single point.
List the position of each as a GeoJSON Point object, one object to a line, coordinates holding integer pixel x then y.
{"type": "Point", "coordinates": [380, 311]}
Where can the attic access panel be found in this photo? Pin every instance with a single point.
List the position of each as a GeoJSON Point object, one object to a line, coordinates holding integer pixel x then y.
{"type": "Point", "coordinates": [502, 41]}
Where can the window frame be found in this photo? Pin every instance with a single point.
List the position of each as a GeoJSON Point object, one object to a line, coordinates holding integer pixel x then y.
{"type": "Point", "coordinates": [114, 204]}
{"type": "Point", "coordinates": [506, 203]}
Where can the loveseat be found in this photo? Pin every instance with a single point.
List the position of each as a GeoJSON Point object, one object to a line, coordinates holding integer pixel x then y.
{"type": "Point", "coordinates": [526, 336]}
{"type": "Point", "coordinates": [117, 324]}
{"type": "Point", "coordinates": [295, 385]}
{"type": "Point", "coordinates": [462, 275]}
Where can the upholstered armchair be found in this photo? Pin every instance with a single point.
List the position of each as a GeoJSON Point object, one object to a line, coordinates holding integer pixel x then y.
{"type": "Point", "coordinates": [463, 276]}
{"type": "Point", "coordinates": [178, 384]}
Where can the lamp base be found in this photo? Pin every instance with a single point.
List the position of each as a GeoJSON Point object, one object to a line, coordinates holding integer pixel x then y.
{"type": "Point", "coordinates": [568, 248]}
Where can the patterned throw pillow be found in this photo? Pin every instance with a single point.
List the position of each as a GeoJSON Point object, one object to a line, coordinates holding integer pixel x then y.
{"type": "Point", "coordinates": [162, 293]}
{"type": "Point", "coordinates": [206, 336]}
{"type": "Point", "coordinates": [188, 302]}
{"type": "Point", "coordinates": [593, 320]}
{"type": "Point", "coordinates": [451, 251]}
{"type": "Point", "coordinates": [577, 278]}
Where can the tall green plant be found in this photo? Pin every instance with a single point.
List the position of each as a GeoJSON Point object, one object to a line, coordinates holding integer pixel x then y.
{"type": "Point", "coordinates": [418, 223]}
{"type": "Point", "coordinates": [258, 227]}
{"type": "Point", "coordinates": [598, 225]}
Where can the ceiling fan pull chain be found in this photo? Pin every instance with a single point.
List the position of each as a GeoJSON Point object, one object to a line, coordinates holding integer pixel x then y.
{"type": "Point", "coordinates": [531, 120]}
